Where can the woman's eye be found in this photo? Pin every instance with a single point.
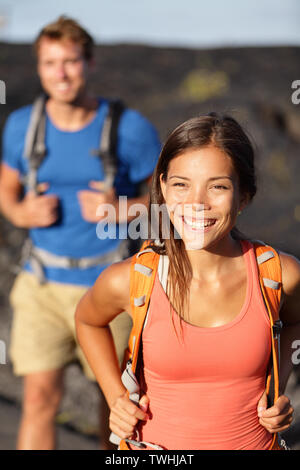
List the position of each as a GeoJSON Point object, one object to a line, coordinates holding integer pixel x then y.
{"type": "Point", "coordinates": [219, 186]}
{"type": "Point", "coordinates": [181, 185]}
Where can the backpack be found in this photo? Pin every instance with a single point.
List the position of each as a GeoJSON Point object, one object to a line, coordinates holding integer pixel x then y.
{"type": "Point", "coordinates": [35, 148]}
{"type": "Point", "coordinates": [35, 152]}
{"type": "Point", "coordinates": [144, 267]}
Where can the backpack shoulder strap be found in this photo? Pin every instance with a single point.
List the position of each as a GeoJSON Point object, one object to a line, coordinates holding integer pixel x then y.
{"type": "Point", "coordinates": [271, 286]}
{"type": "Point", "coordinates": [108, 142]}
{"type": "Point", "coordinates": [144, 266]}
{"type": "Point", "coordinates": [35, 148]}
{"type": "Point", "coordinates": [143, 271]}
{"type": "Point", "coordinates": [270, 273]}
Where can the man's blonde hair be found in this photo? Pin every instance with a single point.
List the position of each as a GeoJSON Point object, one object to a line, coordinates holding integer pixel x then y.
{"type": "Point", "coordinates": [67, 28]}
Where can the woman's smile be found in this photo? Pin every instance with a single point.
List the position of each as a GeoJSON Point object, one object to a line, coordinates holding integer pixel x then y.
{"type": "Point", "coordinates": [198, 223]}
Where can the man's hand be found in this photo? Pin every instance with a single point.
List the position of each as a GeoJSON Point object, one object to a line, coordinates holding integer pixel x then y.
{"type": "Point", "coordinates": [90, 201]}
{"type": "Point", "coordinates": [37, 210]}
{"type": "Point", "coordinates": [278, 417]}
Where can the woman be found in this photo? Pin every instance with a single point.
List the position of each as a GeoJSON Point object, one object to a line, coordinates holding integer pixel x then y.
{"type": "Point", "coordinates": [204, 366]}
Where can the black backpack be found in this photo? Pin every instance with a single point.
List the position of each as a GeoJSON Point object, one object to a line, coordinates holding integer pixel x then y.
{"type": "Point", "coordinates": [35, 147]}
{"type": "Point", "coordinates": [35, 151]}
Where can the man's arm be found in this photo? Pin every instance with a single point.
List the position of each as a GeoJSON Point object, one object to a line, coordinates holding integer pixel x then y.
{"type": "Point", "coordinates": [141, 202]}
{"type": "Point", "coordinates": [10, 193]}
{"type": "Point", "coordinates": [90, 201]}
{"type": "Point", "coordinates": [30, 211]}
{"type": "Point", "coordinates": [139, 150]}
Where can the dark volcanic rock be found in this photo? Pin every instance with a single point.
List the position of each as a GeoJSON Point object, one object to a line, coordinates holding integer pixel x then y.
{"type": "Point", "coordinates": [171, 85]}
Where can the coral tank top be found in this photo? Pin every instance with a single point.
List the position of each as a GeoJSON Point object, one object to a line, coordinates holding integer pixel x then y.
{"type": "Point", "coordinates": [204, 387]}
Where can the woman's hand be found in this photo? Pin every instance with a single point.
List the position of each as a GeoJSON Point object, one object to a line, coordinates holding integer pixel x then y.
{"type": "Point", "coordinates": [278, 417]}
{"type": "Point", "coordinates": [124, 415]}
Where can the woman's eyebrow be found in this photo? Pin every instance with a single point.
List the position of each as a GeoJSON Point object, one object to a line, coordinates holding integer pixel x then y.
{"type": "Point", "coordinates": [209, 179]}
{"type": "Point", "coordinates": [181, 177]}
{"type": "Point", "coordinates": [220, 178]}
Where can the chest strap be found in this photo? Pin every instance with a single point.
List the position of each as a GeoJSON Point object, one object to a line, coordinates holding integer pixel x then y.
{"type": "Point", "coordinates": [40, 258]}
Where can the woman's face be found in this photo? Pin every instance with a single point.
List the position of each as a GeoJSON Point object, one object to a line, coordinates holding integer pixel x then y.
{"type": "Point", "coordinates": [202, 196]}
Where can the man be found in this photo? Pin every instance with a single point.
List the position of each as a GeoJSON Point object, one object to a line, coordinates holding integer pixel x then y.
{"type": "Point", "coordinates": [61, 215]}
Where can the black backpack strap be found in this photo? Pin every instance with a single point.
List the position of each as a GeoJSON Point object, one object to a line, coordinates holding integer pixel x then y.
{"type": "Point", "coordinates": [108, 146]}
{"type": "Point", "coordinates": [107, 150]}
{"type": "Point", "coordinates": [35, 149]}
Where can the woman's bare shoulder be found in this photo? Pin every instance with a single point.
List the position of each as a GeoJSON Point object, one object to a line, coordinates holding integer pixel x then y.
{"type": "Point", "coordinates": [290, 267]}
{"type": "Point", "coordinates": [117, 273]}
{"type": "Point", "coordinates": [290, 270]}
{"type": "Point", "coordinates": [113, 284]}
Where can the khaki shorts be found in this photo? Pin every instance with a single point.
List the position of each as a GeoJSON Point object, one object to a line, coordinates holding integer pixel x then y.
{"type": "Point", "coordinates": [43, 330]}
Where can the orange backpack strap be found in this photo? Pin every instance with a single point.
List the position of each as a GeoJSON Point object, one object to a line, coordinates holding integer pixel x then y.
{"type": "Point", "coordinates": [271, 286]}
{"type": "Point", "coordinates": [144, 267]}
{"type": "Point", "coordinates": [143, 271]}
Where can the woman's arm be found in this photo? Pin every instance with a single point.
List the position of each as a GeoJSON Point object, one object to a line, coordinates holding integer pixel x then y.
{"type": "Point", "coordinates": [289, 315]}
{"type": "Point", "coordinates": [102, 303]}
{"type": "Point", "coordinates": [99, 306]}
{"type": "Point", "coordinates": [278, 417]}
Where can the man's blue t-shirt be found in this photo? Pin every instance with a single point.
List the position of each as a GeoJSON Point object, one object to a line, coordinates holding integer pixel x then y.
{"type": "Point", "coordinates": [68, 167]}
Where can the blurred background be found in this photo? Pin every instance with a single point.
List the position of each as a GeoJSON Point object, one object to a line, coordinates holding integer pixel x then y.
{"type": "Point", "coordinates": [170, 60]}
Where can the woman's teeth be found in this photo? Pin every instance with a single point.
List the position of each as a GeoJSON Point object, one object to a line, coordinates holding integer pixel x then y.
{"type": "Point", "coordinates": [199, 223]}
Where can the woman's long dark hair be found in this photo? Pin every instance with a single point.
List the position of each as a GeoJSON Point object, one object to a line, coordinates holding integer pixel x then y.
{"type": "Point", "coordinates": [227, 135]}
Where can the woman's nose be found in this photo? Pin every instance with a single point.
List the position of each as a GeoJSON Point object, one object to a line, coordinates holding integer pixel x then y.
{"type": "Point", "coordinates": [198, 199]}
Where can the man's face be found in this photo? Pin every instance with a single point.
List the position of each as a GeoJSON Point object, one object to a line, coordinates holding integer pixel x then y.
{"type": "Point", "coordinates": [62, 69]}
